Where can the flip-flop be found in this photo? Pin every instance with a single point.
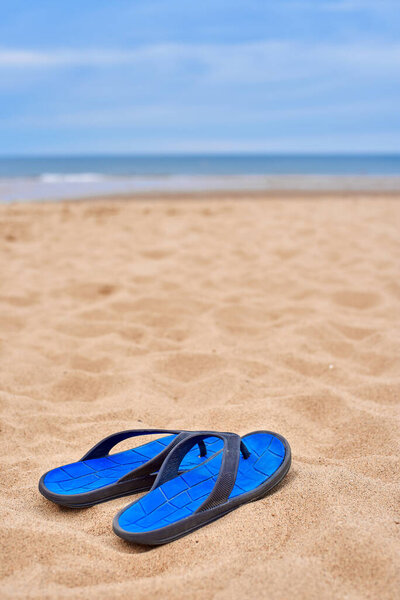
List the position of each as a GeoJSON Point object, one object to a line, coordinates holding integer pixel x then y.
{"type": "Point", "coordinates": [177, 504]}
{"type": "Point", "coordinates": [100, 476]}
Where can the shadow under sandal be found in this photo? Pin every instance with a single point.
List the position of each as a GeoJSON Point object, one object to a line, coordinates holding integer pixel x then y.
{"type": "Point", "coordinates": [244, 470]}
{"type": "Point", "coordinates": [100, 476]}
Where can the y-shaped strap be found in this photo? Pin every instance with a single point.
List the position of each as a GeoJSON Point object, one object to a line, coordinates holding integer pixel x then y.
{"type": "Point", "coordinates": [102, 449]}
{"type": "Point", "coordinates": [220, 493]}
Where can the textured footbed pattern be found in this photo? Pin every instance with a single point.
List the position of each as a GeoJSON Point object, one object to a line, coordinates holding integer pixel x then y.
{"type": "Point", "coordinates": [87, 475]}
{"type": "Point", "coordinates": [181, 496]}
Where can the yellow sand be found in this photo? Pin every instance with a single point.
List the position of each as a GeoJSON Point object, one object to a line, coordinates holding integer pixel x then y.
{"type": "Point", "coordinates": [228, 313]}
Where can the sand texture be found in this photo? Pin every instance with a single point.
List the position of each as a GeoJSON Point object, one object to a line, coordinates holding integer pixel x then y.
{"type": "Point", "coordinates": [205, 313]}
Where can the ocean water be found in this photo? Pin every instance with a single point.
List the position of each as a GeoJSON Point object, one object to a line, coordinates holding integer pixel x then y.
{"type": "Point", "coordinates": [31, 178]}
{"type": "Point", "coordinates": [125, 166]}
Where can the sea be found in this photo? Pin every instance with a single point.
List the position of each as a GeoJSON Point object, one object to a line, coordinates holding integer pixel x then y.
{"type": "Point", "coordinates": [58, 177]}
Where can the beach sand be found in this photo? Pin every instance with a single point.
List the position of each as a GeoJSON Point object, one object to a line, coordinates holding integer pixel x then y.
{"type": "Point", "coordinates": [235, 313]}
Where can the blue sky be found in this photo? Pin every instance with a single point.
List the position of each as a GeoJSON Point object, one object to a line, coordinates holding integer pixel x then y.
{"type": "Point", "coordinates": [177, 76]}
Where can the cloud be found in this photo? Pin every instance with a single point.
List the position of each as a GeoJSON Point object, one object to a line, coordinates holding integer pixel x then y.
{"type": "Point", "coordinates": [341, 142]}
{"type": "Point", "coordinates": [248, 63]}
{"type": "Point", "coordinates": [192, 96]}
{"type": "Point", "coordinates": [343, 5]}
{"type": "Point", "coordinates": [186, 115]}
{"type": "Point", "coordinates": [15, 58]}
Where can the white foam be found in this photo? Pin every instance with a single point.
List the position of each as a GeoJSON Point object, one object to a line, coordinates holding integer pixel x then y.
{"type": "Point", "coordinates": [71, 177]}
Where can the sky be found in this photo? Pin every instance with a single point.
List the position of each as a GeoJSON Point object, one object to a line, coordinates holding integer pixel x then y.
{"type": "Point", "coordinates": [183, 76]}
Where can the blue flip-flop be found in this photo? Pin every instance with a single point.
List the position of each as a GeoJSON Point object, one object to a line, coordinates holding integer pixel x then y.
{"type": "Point", "coordinates": [100, 476]}
{"type": "Point", "coordinates": [177, 504]}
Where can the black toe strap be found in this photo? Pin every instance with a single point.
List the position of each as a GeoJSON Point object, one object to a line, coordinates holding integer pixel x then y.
{"type": "Point", "coordinates": [233, 445]}
{"type": "Point", "coordinates": [152, 465]}
{"type": "Point", "coordinates": [103, 447]}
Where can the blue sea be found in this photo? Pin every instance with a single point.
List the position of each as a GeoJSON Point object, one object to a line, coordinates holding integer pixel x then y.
{"type": "Point", "coordinates": [54, 177]}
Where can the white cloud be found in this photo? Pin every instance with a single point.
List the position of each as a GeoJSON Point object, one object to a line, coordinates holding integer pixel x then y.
{"type": "Point", "coordinates": [247, 63]}
{"type": "Point", "coordinates": [61, 58]}
{"type": "Point", "coordinates": [343, 5]}
{"type": "Point", "coordinates": [185, 115]}
{"type": "Point", "coordinates": [340, 142]}
{"type": "Point", "coordinates": [166, 97]}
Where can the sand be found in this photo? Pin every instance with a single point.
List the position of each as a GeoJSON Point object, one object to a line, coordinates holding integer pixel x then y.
{"type": "Point", "coordinates": [278, 312]}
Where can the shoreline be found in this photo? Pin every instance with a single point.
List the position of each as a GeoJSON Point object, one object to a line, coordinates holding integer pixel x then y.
{"type": "Point", "coordinates": [224, 196]}
{"type": "Point", "coordinates": [33, 189]}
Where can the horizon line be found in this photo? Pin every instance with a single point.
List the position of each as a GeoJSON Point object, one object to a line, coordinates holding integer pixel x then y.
{"type": "Point", "coordinates": [194, 154]}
